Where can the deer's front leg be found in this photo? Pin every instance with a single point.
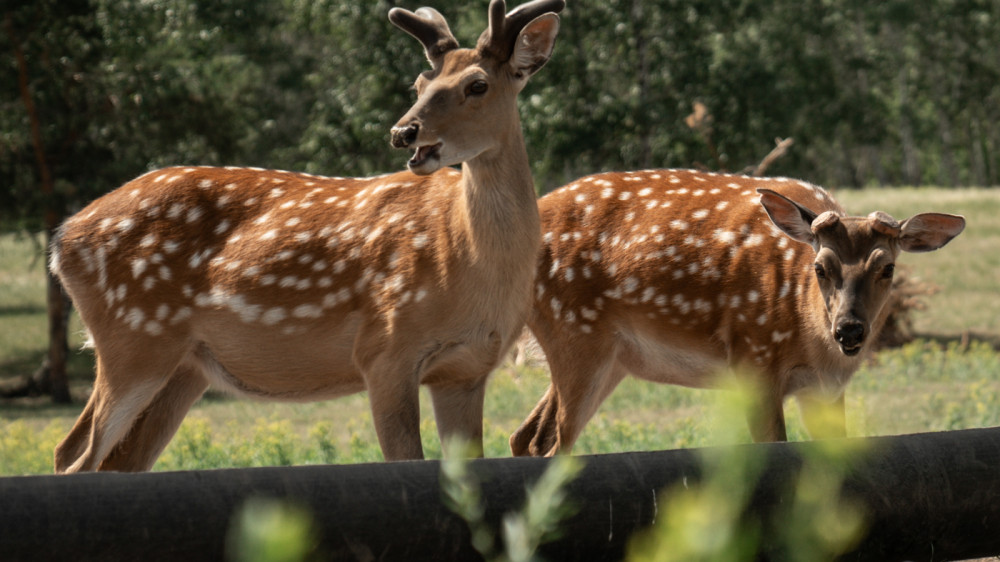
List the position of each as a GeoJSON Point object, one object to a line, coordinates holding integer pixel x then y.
{"type": "Point", "coordinates": [766, 418]}
{"type": "Point", "coordinates": [395, 405]}
{"type": "Point", "coordinates": [458, 411]}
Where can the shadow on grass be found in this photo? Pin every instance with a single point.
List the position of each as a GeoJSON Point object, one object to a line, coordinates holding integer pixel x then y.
{"type": "Point", "coordinates": [14, 371]}
{"type": "Point", "coordinates": [22, 310]}
{"type": "Point", "coordinates": [964, 340]}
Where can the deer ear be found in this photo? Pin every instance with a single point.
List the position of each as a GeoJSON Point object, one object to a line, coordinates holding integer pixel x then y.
{"type": "Point", "coordinates": [929, 231]}
{"type": "Point", "coordinates": [793, 219]}
{"type": "Point", "coordinates": [534, 45]}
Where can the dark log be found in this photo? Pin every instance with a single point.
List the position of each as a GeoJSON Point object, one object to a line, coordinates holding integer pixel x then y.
{"type": "Point", "coordinates": [933, 496]}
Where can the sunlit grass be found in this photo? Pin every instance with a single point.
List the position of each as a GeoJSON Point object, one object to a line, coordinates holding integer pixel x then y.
{"type": "Point", "coordinates": [919, 387]}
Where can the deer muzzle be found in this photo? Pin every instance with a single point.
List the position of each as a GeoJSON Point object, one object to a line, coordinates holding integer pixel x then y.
{"type": "Point", "coordinates": [850, 334]}
{"type": "Point", "coordinates": [404, 136]}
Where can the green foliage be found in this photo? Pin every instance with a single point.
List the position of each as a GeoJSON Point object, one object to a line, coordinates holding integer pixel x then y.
{"type": "Point", "coordinates": [271, 530]}
{"type": "Point", "coordinates": [706, 520]}
{"type": "Point", "coordinates": [269, 443]}
{"type": "Point", "coordinates": [872, 92]}
{"type": "Point", "coordinates": [922, 386]}
{"type": "Point", "coordinates": [522, 532]}
{"type": "Point", "coordinates": [28, 450]}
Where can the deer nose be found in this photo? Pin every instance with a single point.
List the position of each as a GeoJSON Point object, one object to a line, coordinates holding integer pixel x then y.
{"type": "Point", "coordinates": [850, 333]}
{"type": "Point", "coordinates": [403, 137]}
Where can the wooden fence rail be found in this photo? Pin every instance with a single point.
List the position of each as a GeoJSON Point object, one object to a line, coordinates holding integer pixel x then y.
{"type": "Point", "coordinates": [933, 496]}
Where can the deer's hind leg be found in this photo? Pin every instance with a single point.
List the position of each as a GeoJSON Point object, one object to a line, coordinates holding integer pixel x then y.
{"type": "Point", "coordinates": [125, 385]}
{"type": "Point", "coordinates": [157, 425]}
{"type": "Point", "coordinates": [584, 372]}
{"type": "Point", "coordinates": [537, 434]}
{"type": "Point", "coordinates": [76, 442]}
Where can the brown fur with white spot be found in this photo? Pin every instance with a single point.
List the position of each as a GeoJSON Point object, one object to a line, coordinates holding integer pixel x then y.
{"type": "Point", "coordinates": [288, 286]}
{"type": "Point", "coordinates": [674, 275]}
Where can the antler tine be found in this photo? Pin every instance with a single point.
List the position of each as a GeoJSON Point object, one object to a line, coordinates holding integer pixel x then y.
{"type": "Point", "coordinates": [498, 39]}
{"type": "Point", "coordinates": [429, 27]}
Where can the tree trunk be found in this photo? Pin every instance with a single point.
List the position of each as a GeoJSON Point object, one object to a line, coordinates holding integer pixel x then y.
{"type": "Point", "coordinates": [641, 47]}
{"type": "Point", "coordinates": [977, 161]}
{"type": "Point", "coordinates": [50, 378]}
{"type": "Point", "coordinates": [58, 314]}
{"type": "Point", "coordinates": [911, 155]}
{"type": "Point", "coordinates": [948, 175]}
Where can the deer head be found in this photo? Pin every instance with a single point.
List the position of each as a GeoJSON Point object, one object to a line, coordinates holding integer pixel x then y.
{"type": "Point", "coordinates": [856, 258]}
{"type": "Point", "coordinates": [465, 86]}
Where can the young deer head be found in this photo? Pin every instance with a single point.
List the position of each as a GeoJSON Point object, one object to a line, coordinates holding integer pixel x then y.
{"type": "Point", "coordinates": [675, 275]}
{"type": "Point", "coordinates": [289, 286]}
{"type": "Point", "coordinates": [856, 258]}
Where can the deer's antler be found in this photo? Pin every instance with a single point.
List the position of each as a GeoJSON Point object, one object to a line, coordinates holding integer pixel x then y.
{"type": "Point", "coordinates": [498, 39]}
{"type": "Point", "coordinates": [429, 27]}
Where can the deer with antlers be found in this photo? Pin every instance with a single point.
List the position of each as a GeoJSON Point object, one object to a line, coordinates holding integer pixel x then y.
{"type": "Point", "coordinates": [288, 286]}
{"type": "Point", "coordinates": [674, 275]}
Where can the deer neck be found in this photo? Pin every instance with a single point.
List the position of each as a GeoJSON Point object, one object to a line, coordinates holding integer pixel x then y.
{"type": "Point", "coordinates": [498, 208]}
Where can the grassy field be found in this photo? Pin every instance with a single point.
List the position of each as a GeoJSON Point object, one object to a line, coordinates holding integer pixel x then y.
{"type": "Point", "coordinates": [925, 386]}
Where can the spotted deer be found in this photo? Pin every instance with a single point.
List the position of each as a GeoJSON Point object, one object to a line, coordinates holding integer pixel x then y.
{"type": "Point", "coordinates": [289, 286]}
{"type": "Point", "coordinates": [674, 275]}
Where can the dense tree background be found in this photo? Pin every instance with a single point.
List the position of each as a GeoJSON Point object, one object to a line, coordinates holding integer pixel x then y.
{"type": "Point", "coordinates": [886, 93]}
{"type": "Point", "coordinates": [95, 92]}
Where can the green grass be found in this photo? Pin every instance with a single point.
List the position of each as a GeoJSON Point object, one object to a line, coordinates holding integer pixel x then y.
{"type": "Point", "coordinates": [924, 386]}
{"type": "Point", "coordinates": [919, 387]}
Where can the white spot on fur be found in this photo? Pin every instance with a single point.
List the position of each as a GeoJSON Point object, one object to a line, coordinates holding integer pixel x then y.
{"type": "Point", "coordinates": [556, 307]}
{"type": "Point", "coordinates": [138, 267]}
{"type": "Point", "coordinates": [273, 315]}
{"type": "Point", "coordinates": [134, 318]}
{"type": "Point", "coordinates": [630, 285]}
{"type": "Point", "coordinates": [307, 311]}
{"type": "Point", "coordinates": [725, 236]}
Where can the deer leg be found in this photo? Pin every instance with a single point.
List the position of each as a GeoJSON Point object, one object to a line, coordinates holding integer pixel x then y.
{"type": "Point", "coordinates": [766, 418]}
{"type": "Point", "coordinates": [458, 411]}
{"type": "Point", "coordinates": [536, 435]}
{"type": "Point", "coordinates": [823, 419]}
{"type": "Point", "coordinates": [114, 414]}
{"type": "Point", "coordinates": [578, 403]}
{"type": "Point", "coordinates": [158, 423]}
{"type": "Point", "coordinates": [75, 443]}
{"type": "Point", "coordinates": [395, 407]}
{"type": "Point", "coordinates": [125, 384]}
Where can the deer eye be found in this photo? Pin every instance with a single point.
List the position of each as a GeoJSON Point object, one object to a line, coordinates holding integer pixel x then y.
{"type": "Point", "coordinates": [888, 271]}
{"type": "Point", "coordinates": [477, 88]}
{"type": "Point", "coordinates": [820, 272]}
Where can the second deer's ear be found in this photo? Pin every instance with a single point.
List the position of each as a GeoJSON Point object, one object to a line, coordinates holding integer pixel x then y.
{"type": "Point", "coordinates": [793, 219]}
{"type": "Point", "coordinates": [534, 45]}
{"type": "Point", "coordinates": [929, 231]}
